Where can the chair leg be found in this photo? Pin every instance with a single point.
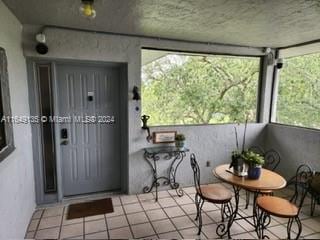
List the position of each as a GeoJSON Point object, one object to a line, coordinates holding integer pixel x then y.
{"type": "Point", "coordinates": [262, 220]}
{"type": "Point", "coordinates": [313, 205]}
{"type": "Point", "coordinates": [289, 225]}
{"type": "Point", "coordinates": [223, 209]}
{"type": "Point", "coordinates": [226, 210]}
{"type": "Point", "coordinates": [259, 223]}
{"type": "Point", "coordinates": [197, 202]}
{"type": "Point", "coordinates": [200, 216]}
{"type": "Point", "coordinates": [247, 199]}
{"type": "Point", "coordinates": [230, 209]}
{"type": "Point", "coordinates": [299, 227]}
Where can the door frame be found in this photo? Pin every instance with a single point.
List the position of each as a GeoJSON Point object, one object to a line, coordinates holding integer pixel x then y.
{"type": "Point", "coordinates": [41, 196]}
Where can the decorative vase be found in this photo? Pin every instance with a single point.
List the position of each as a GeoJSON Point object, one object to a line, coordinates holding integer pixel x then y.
{"type": "Point", "coordinates": [180, 144]}
{"type": "Point", "coordinates": [254, 171]}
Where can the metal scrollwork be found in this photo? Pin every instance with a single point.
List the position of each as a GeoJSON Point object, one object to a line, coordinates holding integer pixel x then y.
{"type": "Point", "coordinates": [224, 228]}
{"type": "Point", "coordinates": [272, 159]}
{"type": "Point", "coordinates": [263, 220]}
{"type": "Point", "coordinates": [152, 159]}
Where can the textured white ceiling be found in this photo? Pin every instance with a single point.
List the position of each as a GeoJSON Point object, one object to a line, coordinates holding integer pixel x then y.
{"type": "Point", "coordinates": [260, 23]}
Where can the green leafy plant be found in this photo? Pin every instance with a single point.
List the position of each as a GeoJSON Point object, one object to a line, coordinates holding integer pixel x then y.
{"type": "Point", "coordinates": [180, 137]}
{"type": "Point", "coordinates": [252, 158]}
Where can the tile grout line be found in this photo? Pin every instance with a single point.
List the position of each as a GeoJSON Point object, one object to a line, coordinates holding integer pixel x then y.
{"type": "Point", "coordinates": [145, 212]}
{"type": "Point", "coordinates": [107, 226]}
{"type": "Point", "coordinates": [60, 229]}
{"type": "Point", "coordinates": [36, 229]}
{"type": "Point", "coordinates": [41, 216]}
{"type": "Point", "coordinates": [100, 231]}
{"type": "Point", "coordinates": [125, 214]}
{"type": "Point", "coordinates": [105, 217]}
{"type": "Point", "coordinates": [189, 216]}
{"type": "Point", "coordinates": [168, 216]}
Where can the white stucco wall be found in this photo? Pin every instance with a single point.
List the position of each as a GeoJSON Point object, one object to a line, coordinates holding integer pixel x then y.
{"type": "Point", "coordinates": [296, 146]}
{"type": "Point", "coordinates": [17, 197]}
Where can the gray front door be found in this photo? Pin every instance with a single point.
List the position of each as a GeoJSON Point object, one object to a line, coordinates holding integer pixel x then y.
{"type": "Point", "coordinates": [88, 99]}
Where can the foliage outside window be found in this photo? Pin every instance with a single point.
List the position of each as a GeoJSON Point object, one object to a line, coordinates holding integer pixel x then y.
{"type": "Point", "coordinates": [180, 89]}
{"type": "Point", "coordinates": [298, 101]}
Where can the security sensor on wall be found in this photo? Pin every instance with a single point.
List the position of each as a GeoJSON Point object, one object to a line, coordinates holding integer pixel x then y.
{"type": "Point", "coordinates": [41, 47]}
{"type": "Point", "coordinates": [279, 63]}
{"type": "Point", "coordinates": [136, 94]}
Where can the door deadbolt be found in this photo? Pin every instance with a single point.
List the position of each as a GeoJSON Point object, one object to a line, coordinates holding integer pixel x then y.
{"type": "Point", "coordinates": [64, 133]}
{"type": "Point", "coordinates": [64, 136]}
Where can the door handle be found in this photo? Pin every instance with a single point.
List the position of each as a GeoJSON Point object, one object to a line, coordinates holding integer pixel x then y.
{"type": "Point", "coordinates": [64, 142]}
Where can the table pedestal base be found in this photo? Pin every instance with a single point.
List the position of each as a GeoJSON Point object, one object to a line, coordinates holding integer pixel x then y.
{"type": "Point", "coordinates": [260, 222]}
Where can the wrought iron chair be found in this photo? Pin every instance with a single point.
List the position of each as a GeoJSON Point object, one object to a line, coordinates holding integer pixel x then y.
{"type": "Point", "coordinates": [272, 160]}
{"type": "Point", "coordinates": [314, 191]}
{"type": "Point", "coordinates": [213, 193]}
{"type": "Point", "coordinates": [283, 208]}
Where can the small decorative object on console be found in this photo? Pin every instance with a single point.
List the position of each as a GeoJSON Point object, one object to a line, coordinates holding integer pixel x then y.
{"type": "Point", "coordinates": [180, 138]}
{"type": "Point", "coordinates": [164, 137]}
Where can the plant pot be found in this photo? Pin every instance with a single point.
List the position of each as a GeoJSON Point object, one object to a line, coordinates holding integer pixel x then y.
{"type": "Point", "coordinates": [180, 144]}
{"type": "Point", "coordinates": [254, 171]}
{"type": "Point", "coordinates": [238, 166]}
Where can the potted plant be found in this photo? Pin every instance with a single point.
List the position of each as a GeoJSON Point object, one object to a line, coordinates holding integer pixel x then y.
{"type": "Point", "coordinates": [179, 139]}
{"type": "Point", "coordinates": [254, 162]}
{"type": "Point", "coordinates": [237, 163]}
{"type": "Point", "coordinates": [237, 160]}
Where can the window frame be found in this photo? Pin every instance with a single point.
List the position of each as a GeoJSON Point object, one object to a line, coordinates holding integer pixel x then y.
{"type": "Point", "coordinates": [275, 91]}
{"type": "Point", "coordinates": [199, 53]}
{"type": "Point", "coordinates": [6, 106]}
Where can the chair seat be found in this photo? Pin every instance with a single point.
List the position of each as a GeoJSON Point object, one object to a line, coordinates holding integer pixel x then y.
{"type": "Point", "coordinates": [277, 206]}
{"type": "Point", "coordinates": [215, 193]}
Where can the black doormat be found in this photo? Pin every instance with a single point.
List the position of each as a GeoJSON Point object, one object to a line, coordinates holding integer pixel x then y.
{"type": "Point", "coordinates": [92, 208]}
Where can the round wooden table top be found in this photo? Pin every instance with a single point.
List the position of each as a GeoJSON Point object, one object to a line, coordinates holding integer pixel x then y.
{"type": "Point", "coordinates": [268, 180]}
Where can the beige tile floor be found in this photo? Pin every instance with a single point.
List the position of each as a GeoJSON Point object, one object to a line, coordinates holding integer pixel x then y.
{"type": "Point", "coordinates": [172, 217]}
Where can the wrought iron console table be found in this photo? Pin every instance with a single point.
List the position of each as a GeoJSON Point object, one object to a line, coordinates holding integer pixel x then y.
{"type": "Point", "coordinates": [154, 154]}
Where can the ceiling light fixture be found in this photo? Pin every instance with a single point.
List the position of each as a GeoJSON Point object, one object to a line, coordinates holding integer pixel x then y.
{"type": "Point", "coordinates": [87, 10]}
